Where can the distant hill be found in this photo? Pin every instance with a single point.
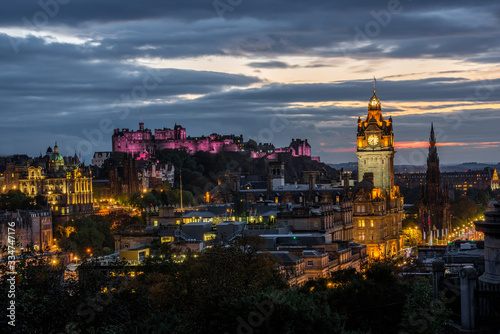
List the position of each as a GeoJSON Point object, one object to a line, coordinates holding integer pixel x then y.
{"type": "Point", "coordinates": [468, 166]}
{"type": "Point", "coordinates": [353, 166]}
{"type": "Point", "coordinates": [347, 166]}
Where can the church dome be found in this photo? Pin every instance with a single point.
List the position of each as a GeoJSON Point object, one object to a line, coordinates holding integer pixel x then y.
{"type": "Point", "coordinates": [56, 156]}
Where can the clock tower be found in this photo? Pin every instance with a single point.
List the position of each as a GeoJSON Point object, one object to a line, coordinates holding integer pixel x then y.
{"type": "Point", "coordinates": [377, 203]}
{"type": "Point", "coordinates": [375, 147]}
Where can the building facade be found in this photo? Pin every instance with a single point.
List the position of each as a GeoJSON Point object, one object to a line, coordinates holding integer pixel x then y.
{"type": "Point", "coordinates": [100, 157]}
{"type": "Point", "coordinates": [377, 203]}
{"type": "Point", "coordinates": [144, 141]}
{"type": "Point", "coordinates": [66, 185]}
{"type": "Point", "coordinates": [33, 229]}
{"type": "Point", "coordinates": [462, 181]}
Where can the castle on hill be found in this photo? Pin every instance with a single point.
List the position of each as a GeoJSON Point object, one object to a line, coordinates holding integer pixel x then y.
{"type": "Point", "coordinates": [144, 142]}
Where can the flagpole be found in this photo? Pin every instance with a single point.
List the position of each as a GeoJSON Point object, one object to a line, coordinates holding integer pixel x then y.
{"type": "Point", "coordinates": [180, 181]}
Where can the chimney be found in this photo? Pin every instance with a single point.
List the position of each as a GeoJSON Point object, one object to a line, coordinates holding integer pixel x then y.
{"type": "Point", "coordinates": [346, 182]}
{"type": "Point", "coordinates": [368, 177]}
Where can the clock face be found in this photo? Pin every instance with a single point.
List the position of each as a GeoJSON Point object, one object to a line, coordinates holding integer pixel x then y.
{"type": "Point", "coordinates": [373, 140]}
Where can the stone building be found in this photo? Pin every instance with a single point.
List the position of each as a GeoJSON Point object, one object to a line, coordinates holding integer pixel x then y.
{"type": "Point", "coordinates": [377, 203]}
{"type": "Point", "coordinates": [495, 181]}
{"type": "Point", "coordinates": [145, 141]}
{"type": "Point", "coordinates": [33, 229]}
{"type": "Point", "coordinates": [63, 181]}
{"type": "Point", "coordinates": [100, 157]}
{"type": "Point", "coordinates": [461, 181]}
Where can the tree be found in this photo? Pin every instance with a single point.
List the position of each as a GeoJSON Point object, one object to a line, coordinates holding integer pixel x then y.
{"type": "Point", "coordinates": [221, 274]}
{"type": "Point", "coordinates": [40, 299]}
{"type": "Point", "coordinates": [413, 236]}
{"type": "Point", "coordinates": [15, 200]}
{"type": "Point", "coordinates": [87, 233]}
{"type": "Point", "coordinates": [421, 313]}
{"type": "Point", "coordinates": [463, 210]}
{"type": "Point", "coordinates": [251, 145]}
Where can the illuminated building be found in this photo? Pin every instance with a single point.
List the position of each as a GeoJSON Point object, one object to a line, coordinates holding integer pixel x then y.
{"type": "Point", "coordinates": [495, 182]}
{"type": "Point", "coordinates": [462, 181]}
{"type": "Point", "coordinates": [144, 142]}
{"type": "Point", "coordinates": [65, 184]}
{"type": "Point", "coordinates": [377, 203]}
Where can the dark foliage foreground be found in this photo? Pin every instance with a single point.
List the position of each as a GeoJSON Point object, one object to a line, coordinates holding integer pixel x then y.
{"type": "Point", "coordinates": [232, 289]}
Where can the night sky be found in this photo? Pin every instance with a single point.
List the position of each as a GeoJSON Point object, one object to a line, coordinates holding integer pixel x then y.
{"type": "Point", "coordinates": [72, 71]}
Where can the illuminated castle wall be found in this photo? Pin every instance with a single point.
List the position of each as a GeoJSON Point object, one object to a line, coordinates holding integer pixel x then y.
{"type": "Point", "coordinates": [297, 148]}
{"type": "Point", "coordinates": [143, 140]}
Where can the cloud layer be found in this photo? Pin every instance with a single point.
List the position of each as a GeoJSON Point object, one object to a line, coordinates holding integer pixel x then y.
{"type": "Point", "coordinates": [73, 70]}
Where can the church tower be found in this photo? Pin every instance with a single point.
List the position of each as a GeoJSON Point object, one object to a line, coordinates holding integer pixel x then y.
{"type": "Point", "coordinates": [375, 142]}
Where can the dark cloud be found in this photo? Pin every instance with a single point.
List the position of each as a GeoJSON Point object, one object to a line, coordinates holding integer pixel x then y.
{"type": "Point", "coordinates": [269, 64]}
{"type": "Point", "coordinates": [124, 29]}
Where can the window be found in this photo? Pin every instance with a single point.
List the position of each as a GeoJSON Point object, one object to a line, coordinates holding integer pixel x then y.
{"type": "Point", "coordinates": [310, 263]}
{"type": "Point", "coordinates": [371, 222]}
